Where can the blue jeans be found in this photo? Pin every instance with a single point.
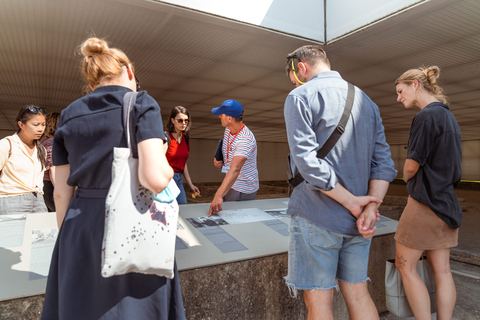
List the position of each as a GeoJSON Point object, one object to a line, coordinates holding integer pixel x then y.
{"type": "Point", "coordinates": [182, 197]}
{"type": "Point", "coordinates": [316, 257]}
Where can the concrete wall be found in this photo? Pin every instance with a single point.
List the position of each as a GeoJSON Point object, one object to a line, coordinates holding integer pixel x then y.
{"type": "Point", "coordinates": [272, 160]}
{"type": "Point", "coordinates": [471, 160]}
{"type": "Point", "coordinates": [272, 163]}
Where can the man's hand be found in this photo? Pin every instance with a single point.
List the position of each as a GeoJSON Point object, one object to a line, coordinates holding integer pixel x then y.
{"type": "Point", "coordinates": [215, 206]}
{"type": "Point", "coordinates": [366, 222]}
{"type": "Point", "coordinates": [356, 207]}
{"type": "Point", "coordinates": [217, 163]}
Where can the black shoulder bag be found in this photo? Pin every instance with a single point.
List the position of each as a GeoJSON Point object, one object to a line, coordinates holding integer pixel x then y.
{"type": "Point", "coordinates": [294, 181]}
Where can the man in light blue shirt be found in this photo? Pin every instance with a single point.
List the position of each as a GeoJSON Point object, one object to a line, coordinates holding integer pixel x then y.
{"type": "Point", "coordinates": [335, 208]}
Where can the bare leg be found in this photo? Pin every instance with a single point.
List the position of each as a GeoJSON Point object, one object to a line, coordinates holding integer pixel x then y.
{"type": "Point", "coordinates": [359, 303]}
{"type": "Point", "coordinates": [406, 261]}
{"type": "Point", "coordinates": [319, 304]}
{"type": "Point", "coordinates": [445, 291]}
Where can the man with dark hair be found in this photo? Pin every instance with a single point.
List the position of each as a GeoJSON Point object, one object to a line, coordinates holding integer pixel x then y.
{"type": "Point", "coordinates": [333, 211]}
{"type": "Point", "coordinates": [239, 163]}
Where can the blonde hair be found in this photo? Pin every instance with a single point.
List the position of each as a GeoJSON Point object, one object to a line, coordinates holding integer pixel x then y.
{"type": "Point", "coordinates": [427, 79]}
{"type": "Point", "coordinates": [101, 62]}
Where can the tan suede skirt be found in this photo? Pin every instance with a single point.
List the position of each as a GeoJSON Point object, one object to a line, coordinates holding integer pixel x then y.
{"type": "Point", "coordinates": [420, 228]}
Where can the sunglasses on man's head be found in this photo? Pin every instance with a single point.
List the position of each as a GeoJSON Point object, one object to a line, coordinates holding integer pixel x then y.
{"type": "Point", "coordinates": [182, 120]}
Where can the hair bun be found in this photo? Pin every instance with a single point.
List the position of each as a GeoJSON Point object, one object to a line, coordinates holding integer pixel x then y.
{"type": "Point", "coordinates": [431, 73]}
{"type": "Point", "coordinates": [93, 46]}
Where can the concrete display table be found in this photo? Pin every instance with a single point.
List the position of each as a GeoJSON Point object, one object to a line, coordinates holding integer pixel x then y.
{"type": "Point", "coordinates": [231, 266]}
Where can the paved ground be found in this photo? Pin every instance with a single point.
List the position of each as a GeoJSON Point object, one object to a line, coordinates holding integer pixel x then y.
{"type": "Point", "coordinates": [466, 275]}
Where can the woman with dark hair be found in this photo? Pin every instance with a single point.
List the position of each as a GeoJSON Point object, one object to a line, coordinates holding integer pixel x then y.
{"type": "Point", "coordinates": [49, 177]}
{"type": "Point", "coordinates": [88, 131]}
{"type": "Point", "coordinates": [22, 162]}
{"type": "Point", "coordinates": [178, 128]}
{"type": "Point", "coordinates": [432, 170]}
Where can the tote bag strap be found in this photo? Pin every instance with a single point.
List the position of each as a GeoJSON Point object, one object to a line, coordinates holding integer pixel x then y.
{"type": "Point", "coordinates": [129, 100]}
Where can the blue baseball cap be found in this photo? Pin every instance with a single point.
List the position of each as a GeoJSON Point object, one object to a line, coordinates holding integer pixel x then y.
{"type": "Point", "coordinates": [231, 108]}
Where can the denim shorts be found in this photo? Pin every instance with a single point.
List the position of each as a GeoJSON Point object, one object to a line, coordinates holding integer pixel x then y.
{"type": "Point", "coordinates": [317, 257]}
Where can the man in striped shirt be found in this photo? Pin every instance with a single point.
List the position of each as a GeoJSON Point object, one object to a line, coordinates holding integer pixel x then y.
{"type": "Point", "coordinates": [239, 150]}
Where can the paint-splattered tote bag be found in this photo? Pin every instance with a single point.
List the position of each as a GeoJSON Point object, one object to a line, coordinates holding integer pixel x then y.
{"type": "Point", "coordinates": [140, 232]}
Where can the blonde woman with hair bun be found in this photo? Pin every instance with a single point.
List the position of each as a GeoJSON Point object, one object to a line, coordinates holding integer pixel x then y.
{"type": "Point", "coordinates": [430, 221]}
{"type": "Point", "coordinates": [88, 130]}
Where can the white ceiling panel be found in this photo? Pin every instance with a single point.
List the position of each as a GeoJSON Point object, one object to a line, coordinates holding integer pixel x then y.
{"type": "Point", "coordinates": [183, 57]}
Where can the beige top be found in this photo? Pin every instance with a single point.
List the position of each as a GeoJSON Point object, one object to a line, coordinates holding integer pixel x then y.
{"type": "Point", "coordinates": [21, 172]}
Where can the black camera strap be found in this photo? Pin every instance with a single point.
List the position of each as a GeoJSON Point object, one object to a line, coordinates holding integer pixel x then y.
{"type": "Point", "coordinates": [332, 140]}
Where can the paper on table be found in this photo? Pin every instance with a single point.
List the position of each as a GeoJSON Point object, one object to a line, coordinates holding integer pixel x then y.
{"type": "Point", "coordinates": [11, 230]}
{"type": "Point", "coordinates": [278, 213]}
{"type": "Point", "coordinates": [43, 242]}
{"type": "Point", "coordinates": [185, 234]}
{"type": "Point", "coordinates": [244, 215]}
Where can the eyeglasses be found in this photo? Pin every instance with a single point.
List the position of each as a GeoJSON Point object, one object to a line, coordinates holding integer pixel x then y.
{"type": "Point", "coordinates": [137, 82]}
{"type": "Point", "coordinates": [34, 109]}
{"type": "Point", "coordinates": [136, 79]}
{"type": "Point", "coordinates": [182, 120]}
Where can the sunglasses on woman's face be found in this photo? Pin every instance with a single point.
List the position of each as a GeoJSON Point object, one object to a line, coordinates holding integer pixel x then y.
{"type": "Point", "coordinates": [182, 120]}
{"type": "Point", "coordinates": [138, 83]}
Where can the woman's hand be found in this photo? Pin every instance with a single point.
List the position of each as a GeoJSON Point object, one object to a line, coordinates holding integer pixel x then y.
{"type": "Point", "coordinates": [195, 190]}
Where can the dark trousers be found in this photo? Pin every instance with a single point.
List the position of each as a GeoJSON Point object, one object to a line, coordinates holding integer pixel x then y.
{"type": "Point", "coordinates": [233, 195]}
{"type": "Point", "coordinates": [48, 195]}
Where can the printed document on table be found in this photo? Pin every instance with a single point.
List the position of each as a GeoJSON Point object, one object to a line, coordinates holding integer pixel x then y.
{"type": "Point", "coordinates": [244, 215]}
{"type": "Point", "coordinates": [11, 230]}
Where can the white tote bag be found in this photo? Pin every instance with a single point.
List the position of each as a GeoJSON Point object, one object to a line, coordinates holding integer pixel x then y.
{"type": "Point", "coordinates": [140, 232]}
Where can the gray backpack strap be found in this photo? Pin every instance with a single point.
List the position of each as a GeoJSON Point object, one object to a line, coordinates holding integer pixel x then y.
{"type": "Point", "coordinates": [129, 124]}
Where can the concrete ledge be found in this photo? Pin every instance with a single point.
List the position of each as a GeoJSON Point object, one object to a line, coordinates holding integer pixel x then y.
{"type": "Point", "coordinates": [255, 289]}
{"type": "Point", "coordinates": [463, 256]}
{"type": "Point", "coordinates": [402, 201]}
{"type": "Point", "coordinates": [250, 289]}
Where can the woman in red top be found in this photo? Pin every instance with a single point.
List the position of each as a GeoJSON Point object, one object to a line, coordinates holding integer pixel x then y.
{"type": "Point", "coordinates": [178, 128]}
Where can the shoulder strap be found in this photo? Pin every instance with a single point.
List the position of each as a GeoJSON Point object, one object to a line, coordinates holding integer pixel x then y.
{"type": "Point", "coordinates": [332, 140]}
{"type": "Point", "coordinates": [187, 139]}
{"type": "Point", "coordinates": [340, 129]}
{"type": "Point", "coordinates": [129, 100]}
{"type": "Point", "coordinates": [9, 150]}
{"type": "Point", "coordinates": [167, 136]}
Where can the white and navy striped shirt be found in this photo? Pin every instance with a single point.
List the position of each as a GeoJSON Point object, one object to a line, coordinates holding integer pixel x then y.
{"type": "Point", "coordinates": [242, 144]}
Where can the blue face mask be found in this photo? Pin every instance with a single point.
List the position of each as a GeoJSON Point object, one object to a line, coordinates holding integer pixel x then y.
{"type": "Point", "coordinates": [168, 194]}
